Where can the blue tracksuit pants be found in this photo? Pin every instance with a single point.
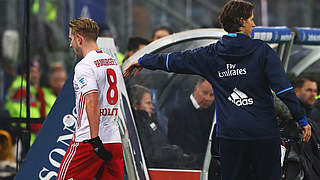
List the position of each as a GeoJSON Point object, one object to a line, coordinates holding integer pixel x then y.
{"type": "Point", "coordinates": [238, 156]}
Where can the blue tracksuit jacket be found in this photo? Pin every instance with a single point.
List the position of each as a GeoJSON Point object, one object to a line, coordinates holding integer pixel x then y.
{"type": "Point", "coordinates": [242, 71]}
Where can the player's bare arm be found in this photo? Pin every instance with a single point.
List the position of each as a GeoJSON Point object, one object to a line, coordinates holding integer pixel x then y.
{"type": "Point", "coordinates": [93, 112]}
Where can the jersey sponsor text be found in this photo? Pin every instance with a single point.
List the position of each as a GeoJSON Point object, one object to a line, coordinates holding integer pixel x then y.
{"type": "Point", "coordinates": [231, 71]}
{"type": "Point", "coordinates": [109, 112]}
{"type": "Point", "coordinates": [105, 62]}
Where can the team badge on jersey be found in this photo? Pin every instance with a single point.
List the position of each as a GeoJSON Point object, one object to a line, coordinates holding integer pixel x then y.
{"type": "Point", "coordinates": [83, 82]}
{"type": "Point", "coordinates": [76, 87]}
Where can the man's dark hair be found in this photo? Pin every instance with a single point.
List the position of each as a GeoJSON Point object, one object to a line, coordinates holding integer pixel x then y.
{"type": "Point", "coordinates": [166, 28]}
{"type": "Point", "coordinates": [136, 93]}
{"type": "Point", "coordinates": [232, 13]}
{"type": "Point", "coordinates": [104, 30]}
{"type": "Point", "coordinates": [134, 42]}
{"type": "Point", "coordinates": [299, 82]}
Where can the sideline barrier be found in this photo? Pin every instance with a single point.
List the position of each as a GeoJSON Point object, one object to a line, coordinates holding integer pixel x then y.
{"type": "Point", "coordinates": [272, 34]}
{"type": "Point", "coordinates": [281, 35]}
{"type": "Point", "coordinates": [309, 40]}
{"type": "Point", "coordinates": [307, 36]}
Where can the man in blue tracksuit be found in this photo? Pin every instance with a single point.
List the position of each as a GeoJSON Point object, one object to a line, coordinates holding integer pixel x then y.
{"type": "Point", "coordinates": [242, 71]}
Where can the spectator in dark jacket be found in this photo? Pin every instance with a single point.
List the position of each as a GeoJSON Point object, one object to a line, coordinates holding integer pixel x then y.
{"type": "Point", "coordinates": [315, 113]}
{"type": "Point", "coordinates": [157, 150]}
{"type": "Point", "coordinates": [190, 124]}
{"type": "Point", "coordinates": [306, 90]}
{"type": "Point", "coordinates": [135, 44]}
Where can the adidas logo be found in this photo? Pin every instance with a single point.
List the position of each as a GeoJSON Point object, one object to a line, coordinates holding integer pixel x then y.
{"type": "Point", "coordinates": [239, 98]}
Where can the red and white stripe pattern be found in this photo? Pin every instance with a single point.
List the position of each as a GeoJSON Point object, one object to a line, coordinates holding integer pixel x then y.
{"type": "Point", "coordinates": [81, 105]}
{"type": "Point", "coordinates": [64, 167]}
{"type": "Point", "coordinates": [80, 109]}
{"type": "Point", "coordinates": [91, 91]}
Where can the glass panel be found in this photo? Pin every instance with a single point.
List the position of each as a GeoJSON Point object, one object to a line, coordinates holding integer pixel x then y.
{"type": "Point", "coordinates": [314, 68]}
{"type": "Point", "coordinates": [134, 140]}
{"type": "Point", "coordinates": [298, 52]}
{"type": "Point", "coordinates": [170, 135]}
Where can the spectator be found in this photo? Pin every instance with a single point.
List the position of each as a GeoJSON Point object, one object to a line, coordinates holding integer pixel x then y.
{"type": "Point", "coordinates": [306, 90]}
{"type": "Point", "coordinates": [5, 122]}
{"type": "Point", "coordinates": [158, 152]}
{"type": "Point", "coordinates": [57, 78]}
{"type": "Point", "coordinates": [17, 95]}
{"type": "Point", "coordinates": [303, 157]}
{"type": "Point", "coordinates": [14, 94]}
{"type": "Point", "coordinates": [161, 32]}
{"type": "Point", "coordinates": [8, 71]}
{"type": "Point", "coordinates": [315, 113]}
{"type": "Point", "coordinates": [135, 44]}
{"type": "Point", "coordinates": [194, 114]}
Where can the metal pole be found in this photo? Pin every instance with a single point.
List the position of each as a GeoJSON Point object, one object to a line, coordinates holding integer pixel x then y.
{"type": "Point", "coordinates": [189, 10]}
{"type": "Point", "coordinates": [174, 14]}
{"type": "Point", "coordinates": [286, 57]}
{"type": "Point", "coordinates": [209, 6]}
{"type": "Point", "coordinates": [27, 60]}
{"type": "Point", "coordinates": [129, 19]}
{"type": "Point", "coordinates": [264, 12]}
{"type": "Point", "coordinates": [208, 156]}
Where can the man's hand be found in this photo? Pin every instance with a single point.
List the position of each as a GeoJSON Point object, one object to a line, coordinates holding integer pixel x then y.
{"type": "Point", "coordinates": [130, 69]}
{"type": "Point", "coordinates": [99, 149]}
{"type": "Point", "coordinates": [306, 131]}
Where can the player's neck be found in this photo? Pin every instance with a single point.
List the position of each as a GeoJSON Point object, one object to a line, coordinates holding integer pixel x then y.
{"type": "Point", "coordinates": [89, 46]}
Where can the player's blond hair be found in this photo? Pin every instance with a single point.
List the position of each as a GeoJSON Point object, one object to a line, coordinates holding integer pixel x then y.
{"type": "Point", "coordinates": [85, 27]}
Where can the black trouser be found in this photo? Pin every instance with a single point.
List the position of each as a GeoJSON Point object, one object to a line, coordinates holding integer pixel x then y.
{"type": "Point", "coordinates": [238, 156]}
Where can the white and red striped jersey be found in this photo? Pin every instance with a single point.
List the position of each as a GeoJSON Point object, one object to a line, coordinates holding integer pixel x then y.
{"type": "Point", "coordinates": [97, 72]}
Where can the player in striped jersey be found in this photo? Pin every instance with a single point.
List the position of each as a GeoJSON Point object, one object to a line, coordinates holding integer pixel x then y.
{"type": "Point", "coordinates": [96, 149]}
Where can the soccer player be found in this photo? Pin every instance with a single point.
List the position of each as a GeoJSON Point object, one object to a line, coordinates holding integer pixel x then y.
{"type": "Point", "coordinates": [242, 72]}
{"type": "Point", "coordinates": [96, 149]}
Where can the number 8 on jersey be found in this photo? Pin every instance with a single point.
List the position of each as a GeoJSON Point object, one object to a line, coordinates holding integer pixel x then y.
{"type": "Point", "coordinates": [112, 93]}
